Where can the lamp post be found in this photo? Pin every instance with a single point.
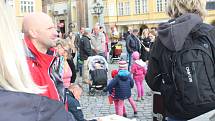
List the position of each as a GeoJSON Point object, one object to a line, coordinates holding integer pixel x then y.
{"type": "Point", "coordinates": [98, 10]}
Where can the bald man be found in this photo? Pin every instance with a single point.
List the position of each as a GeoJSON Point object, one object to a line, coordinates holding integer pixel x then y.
{"type": "Point", "coordinates": [98, 41]}
{"type": "Point", "coordinates": [40, 36]}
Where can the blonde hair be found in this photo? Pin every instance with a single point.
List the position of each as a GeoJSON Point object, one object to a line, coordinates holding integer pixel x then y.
{"type": "Point", "coordinates": [14, 71]}
{"type": "Point", "coordinates": [178, 7]}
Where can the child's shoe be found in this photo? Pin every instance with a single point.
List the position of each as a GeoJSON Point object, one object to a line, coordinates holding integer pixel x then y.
{"type": "Point", "coordinates": [125, 115]}
{"type": "Point", "coordinates": [142, 98]}
{"type": "Point", "coordinates": [135, 114]}
{"type": "Point", "coordinates": [138, 99]}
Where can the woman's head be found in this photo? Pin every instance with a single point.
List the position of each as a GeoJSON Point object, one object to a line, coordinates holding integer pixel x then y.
{"type": "Point", "coordinates": [62, 47]}
{"type": "Point", "coordinates": [178, 7]}
{"type": "Point", "coordinates": [152, 35]}
{"type": "Point", "coordinates": [135, 55]}
{"type": "Point", "coordinates": [14, 71]}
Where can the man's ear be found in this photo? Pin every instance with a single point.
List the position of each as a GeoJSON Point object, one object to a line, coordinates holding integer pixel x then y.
{"type": "Point", "coordinates": [33, 33]}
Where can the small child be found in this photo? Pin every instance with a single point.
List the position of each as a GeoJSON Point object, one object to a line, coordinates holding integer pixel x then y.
{"type": "Point", "coordinates": [112, 98]}
{"type": "Point", "coordinates": [122, 83]}
{"type": "Point", "coordinates": [138, 69]}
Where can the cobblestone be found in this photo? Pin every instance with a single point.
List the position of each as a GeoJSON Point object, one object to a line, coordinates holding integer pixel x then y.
{"type": "Point", "coordinates": [98, 105]}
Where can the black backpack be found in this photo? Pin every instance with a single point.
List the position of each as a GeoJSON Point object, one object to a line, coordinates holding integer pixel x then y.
{"type": "Point", "coordinates": [189, 87]}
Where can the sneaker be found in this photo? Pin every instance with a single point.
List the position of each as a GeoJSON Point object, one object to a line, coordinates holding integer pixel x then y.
{"type": "Point", "coordinates": [142, 98]}
{"type": "Point", "coordinates": [138, 99]}
{"type": "Point", "coordinates": [135, 114]}
{"type": "Point", "coordinates": [125, 115]}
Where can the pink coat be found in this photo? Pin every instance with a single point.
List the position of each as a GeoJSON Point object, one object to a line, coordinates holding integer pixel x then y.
{"type": "Point", "coordinates": [138, 69]}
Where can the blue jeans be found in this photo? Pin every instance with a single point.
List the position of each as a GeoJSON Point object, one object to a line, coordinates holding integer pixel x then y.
{"type": "Point", "coordinates": [175, 119]}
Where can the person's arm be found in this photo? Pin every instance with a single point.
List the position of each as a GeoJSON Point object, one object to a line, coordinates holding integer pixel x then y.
{"type": "Point", "coordinates": [128, 40]}
{"type": "Point", "coordinates": [72, 67]}
{"type": "Point", "coordinates": [75, 109]}
{"type": "Point", "coordinates": [112, 84]}
{"type": "Point", "coordinates": [153, 72]}
{"type": "Point", "coordinates": [87, 48]}
{"type": "Point", "coordinates": [131, 81]}
{"type": "Point", "coordinates": [133, 68]}
{"type": "Point", "coordinates": [77, 40]}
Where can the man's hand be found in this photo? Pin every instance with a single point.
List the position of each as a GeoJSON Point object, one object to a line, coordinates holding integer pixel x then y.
{"type": "Point", "coordinates": [147, 49]}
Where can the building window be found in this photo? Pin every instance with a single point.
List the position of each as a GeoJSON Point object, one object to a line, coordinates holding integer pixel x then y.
{"type": "Point", "coordinates": [120, 9]}
{"type": "Point", "coordinates": [165, 5]}
{"type": "Point", "coordinates": [127, 8]}
{"type": "Point", "coordinates": [111, 9]}
{"type": "Point", "coordinates": [161, 5]}
{"type": "Point", "coordinates": [137, 6]}
{"type": "Point", "coordinates": [106, 9]}
{"type": "Point", "coordinates": [210, 5]}
{"type": "Point", "coordinates": [10, 2]}
{"type": "Point", "coordinates": [27, 6]}
{"type": "Point", "coordinates": [144, 4]}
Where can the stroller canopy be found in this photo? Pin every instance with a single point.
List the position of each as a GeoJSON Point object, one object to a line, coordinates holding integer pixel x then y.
{"type": "Point", "coordinates": [93, 61]}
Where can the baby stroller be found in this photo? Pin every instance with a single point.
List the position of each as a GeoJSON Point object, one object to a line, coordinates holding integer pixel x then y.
{"type": "Point", "coordinates": [98, 68]}
{"type": "Point", "coordinates": [116, 51]}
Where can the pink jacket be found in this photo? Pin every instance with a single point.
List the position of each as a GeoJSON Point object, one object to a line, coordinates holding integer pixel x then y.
{"type": "Point", "coordinates": [138, 69]}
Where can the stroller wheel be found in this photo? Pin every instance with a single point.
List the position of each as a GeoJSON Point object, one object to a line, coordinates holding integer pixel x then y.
{"type": "Point", "coordinates": [92, 92]}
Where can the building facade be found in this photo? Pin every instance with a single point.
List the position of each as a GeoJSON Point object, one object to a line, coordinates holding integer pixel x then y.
{"type": "Point", "coordinates": [63, 13]}
{"type": "Point", "coordinates": [22, 7]}
{"type": "Point", "coordinates": [138, 13]}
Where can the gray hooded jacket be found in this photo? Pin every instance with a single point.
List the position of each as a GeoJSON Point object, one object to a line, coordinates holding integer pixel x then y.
{"type": "Point", "coordinates": [173, 33]}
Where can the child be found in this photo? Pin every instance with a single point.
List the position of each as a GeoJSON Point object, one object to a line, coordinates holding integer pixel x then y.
{"type": "Point", "coordinates": [74, 94]}
{"type": "Point", "coordinates": [112, 98]}
{"type": "Point", "coordinates": [122, 83]}
{"type": "Point", "coordinates": [138, 69]}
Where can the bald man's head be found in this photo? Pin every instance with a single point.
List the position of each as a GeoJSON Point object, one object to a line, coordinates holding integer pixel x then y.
{"type": "Point", "coordinates": [41, 30]}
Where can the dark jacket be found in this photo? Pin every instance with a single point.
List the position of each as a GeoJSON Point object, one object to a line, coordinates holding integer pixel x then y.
{"type": "Point", "coordinates": [145, 54]}
{"type": "Point", "coordinates": [122, 84]}
{"type": "Point", "coordinates": [85, 48]}
{"type": "Point", "coordinates": [75, 107]}
{"type": "Point", "coordinates": [132, 43]}
{"type": "Point", "coordinates": [171, 38]}
{"type": "Point", "coordinates": [72, 67]}
{"type": "Point", "coordinates": [77, 40]}
{"type": "Point", "coordinates": [18, 106]}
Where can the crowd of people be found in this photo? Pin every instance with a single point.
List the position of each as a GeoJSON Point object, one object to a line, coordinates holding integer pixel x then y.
{"type": "Point", "coordinates": [38, 73]}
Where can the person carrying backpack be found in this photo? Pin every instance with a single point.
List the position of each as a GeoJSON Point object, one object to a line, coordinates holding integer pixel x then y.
{"type": "Point", "coordinates": [181, 64]}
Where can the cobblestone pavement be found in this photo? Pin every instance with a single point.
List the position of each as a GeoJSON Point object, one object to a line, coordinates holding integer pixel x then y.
{"type": "Point", "coordinates": [97, 106]}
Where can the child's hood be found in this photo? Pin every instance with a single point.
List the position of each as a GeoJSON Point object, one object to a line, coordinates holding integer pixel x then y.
{"type": "Point", "coordinates": [123, 74]}
{"type": "Point", "coordinates": [141, 63]}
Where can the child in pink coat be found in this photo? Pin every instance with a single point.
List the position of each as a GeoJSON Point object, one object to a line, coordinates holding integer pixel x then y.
{"type": "Point", "coordinates": [138, 69]}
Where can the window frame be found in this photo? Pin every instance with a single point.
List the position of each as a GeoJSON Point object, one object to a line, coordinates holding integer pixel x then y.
{"type": "Point", "coordinates": [144, 6]}
{"type": "Point", "coordinates": [127, 8]}
{"type": "Point", "coordinates": [137, 7]}
{"type": "Point", "coordinates": [27, 6]}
